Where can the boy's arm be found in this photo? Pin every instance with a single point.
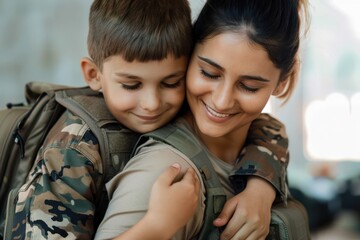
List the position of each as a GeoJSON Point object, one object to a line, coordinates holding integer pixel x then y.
{"type": "Point", "coordinates": [57, 202]}
{"type": "Point", "coordinates": [171, 205]}
{"type": "Point", "coordinates": [58, 199]}
{"type": "Point", "coordinates": [259, 176]}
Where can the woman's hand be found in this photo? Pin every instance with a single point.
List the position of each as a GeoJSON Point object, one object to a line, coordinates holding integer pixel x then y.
{"type": "Point", "coordinates": [248, 214]}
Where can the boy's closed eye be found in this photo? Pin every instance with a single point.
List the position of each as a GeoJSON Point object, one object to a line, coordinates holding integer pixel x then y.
{"type": "Point", "coordinates": [137, 85]}
{"type": "Point", "coordinates": [173, 84]}
{"type": "Point", "coordinates": [131, 86]}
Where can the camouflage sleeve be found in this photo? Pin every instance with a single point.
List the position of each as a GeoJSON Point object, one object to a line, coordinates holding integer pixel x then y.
{"type": "Point", "coordinates": [57, 200]}
{"type": "Point", "coordinates": [265, 155]}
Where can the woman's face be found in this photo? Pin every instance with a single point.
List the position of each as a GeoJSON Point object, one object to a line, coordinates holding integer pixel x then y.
{"type": "Point", "coordinates": [229, 82]}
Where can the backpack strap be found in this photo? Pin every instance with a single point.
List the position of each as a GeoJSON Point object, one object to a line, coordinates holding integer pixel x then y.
{"type": "Point", "coordinates": [215, 195]}
{"type": "Point", "coordinates": [115, 141]}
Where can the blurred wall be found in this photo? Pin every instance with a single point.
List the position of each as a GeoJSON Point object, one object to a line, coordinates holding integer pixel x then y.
{"type": "Point", "coordinates": [41, 41]}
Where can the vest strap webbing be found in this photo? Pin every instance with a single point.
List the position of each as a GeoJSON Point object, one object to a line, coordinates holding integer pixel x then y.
{"type": "Point", "coordinates": [215, 195]}
{"type": "Point", "coordinates": [115, 141]}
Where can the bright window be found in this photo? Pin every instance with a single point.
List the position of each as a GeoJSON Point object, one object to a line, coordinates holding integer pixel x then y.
{"type": "Point", "coordinates": [333, 128]}
{"type": "Point", "coordinates": [331, 82]}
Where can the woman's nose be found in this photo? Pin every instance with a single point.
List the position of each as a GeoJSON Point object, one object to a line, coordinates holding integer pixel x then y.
{"type": "Point", "coordinates": [223, 97]}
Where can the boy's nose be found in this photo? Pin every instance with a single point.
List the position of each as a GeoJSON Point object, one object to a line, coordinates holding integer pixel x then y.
{"type": "Point", "coordinates": [150, 101]}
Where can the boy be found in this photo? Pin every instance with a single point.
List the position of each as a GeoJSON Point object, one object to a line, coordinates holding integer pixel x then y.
{"type": "Point", "coordinates": [138, 57]}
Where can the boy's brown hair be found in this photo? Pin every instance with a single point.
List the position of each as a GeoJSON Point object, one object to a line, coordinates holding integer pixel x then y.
{"type": "Point", "coordinates": [142, 30]}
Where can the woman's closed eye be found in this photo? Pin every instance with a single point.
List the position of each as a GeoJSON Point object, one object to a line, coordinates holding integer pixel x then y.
{"type": "Point", "coordinates": [247, 88]}
{"type": "Point", "coordinates": [209, 75]}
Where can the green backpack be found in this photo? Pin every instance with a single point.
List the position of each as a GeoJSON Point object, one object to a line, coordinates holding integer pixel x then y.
{"type": "Point", "coordinates": [288, 222]}
{"type": "Point", "coordinates": [23, 129]}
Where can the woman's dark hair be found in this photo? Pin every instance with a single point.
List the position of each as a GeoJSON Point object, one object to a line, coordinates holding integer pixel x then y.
{"type": "Point", "coordinates": [272, 24]}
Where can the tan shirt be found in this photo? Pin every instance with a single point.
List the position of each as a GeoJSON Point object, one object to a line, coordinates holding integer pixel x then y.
{"type": "Point", "coordinates": [130, 190]}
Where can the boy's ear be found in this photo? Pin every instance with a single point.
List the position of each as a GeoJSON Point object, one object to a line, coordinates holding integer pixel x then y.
{"type": "Point", "coordinates": [280, 88]}
{"type": "Point", "coordinates": [90, 73]}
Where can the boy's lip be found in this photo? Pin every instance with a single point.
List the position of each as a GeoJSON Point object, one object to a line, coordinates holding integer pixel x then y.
{"type": "Point", "coordinates": [148, 117]}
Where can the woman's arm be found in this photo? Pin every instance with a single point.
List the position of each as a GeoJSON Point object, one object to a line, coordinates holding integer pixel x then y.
{"type": "Point", "coordinates": [130, 200]}
{"type": "Point", "coordinates": [168, 199]}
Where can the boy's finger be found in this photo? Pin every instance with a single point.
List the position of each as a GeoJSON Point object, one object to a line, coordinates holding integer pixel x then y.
{"type": "Point", "coordinates": [190, 175]}
{"type": "Point", "coordinates": [236, 225]}
{"type": "Point", "coordinates": [225, 214]}
{"type": "Point", "coordinates": [169, 175]}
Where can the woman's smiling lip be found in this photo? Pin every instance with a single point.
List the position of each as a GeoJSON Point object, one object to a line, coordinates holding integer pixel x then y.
{"type": "Point", "coordinates": [216, 116]}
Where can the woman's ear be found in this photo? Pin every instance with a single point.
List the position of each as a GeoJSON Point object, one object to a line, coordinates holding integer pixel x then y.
{"type": "Point", "coordinates": [280, 88]}
{"type": "Point", "coordinates": [90, 73]}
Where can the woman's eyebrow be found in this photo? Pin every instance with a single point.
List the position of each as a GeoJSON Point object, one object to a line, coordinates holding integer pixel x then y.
{"type": "Point", "coordinates": [257, 78]}
{"type": "Point", "coordinates": [212, 63]}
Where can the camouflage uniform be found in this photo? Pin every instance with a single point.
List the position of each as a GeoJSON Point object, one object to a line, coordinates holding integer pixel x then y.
{"type": "Point", "coordinates": [58, 199]}
{"type": "Point", "coordinates": [265, 155]}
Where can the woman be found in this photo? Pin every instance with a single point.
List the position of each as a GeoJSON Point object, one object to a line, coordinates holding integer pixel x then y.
{"type": "Point", "coordinates": [245, 51]}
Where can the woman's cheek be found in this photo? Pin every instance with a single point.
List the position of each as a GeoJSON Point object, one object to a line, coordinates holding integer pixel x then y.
{"type": "Point", "coordinates": [193, 85]}
{"type": "Point", "coordinates": [254, 104]}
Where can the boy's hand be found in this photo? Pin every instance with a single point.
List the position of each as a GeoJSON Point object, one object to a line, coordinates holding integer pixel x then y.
{"type": "Point", "coordinates": [172, 204]}
{"type": "Point", "coordinates": [248, 214]}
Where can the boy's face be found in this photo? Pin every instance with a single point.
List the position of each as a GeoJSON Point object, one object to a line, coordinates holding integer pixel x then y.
{"type": "Point", "coordinates": [143, 95]}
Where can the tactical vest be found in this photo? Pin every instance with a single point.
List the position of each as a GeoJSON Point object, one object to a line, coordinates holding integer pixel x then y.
{"type": "Point", "coordinates": [288, 221]}
{"type": "Point", "coordinates": [215, 195]}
